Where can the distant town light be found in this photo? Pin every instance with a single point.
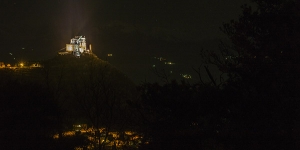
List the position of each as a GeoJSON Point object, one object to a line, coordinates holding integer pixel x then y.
{"type": "Point", "coordinates": [186, 76]}
{"type": "Point", "coordinates": [161, 59]}
{"type": "Point", "coordinates": [169, 63]}
{"type": "Point", "coordinates": [109, 54]}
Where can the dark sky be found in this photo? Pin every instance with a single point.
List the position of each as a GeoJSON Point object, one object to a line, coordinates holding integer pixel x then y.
{"type": "Point", "coordinates": [134, 31]}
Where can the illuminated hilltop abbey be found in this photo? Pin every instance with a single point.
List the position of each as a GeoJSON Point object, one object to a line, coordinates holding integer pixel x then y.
{"type": "Point", "coordinates": [77, 47]}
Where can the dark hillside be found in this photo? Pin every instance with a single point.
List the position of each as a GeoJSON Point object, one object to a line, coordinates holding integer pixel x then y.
{"type": "Point", "coordinates": [67, 76]}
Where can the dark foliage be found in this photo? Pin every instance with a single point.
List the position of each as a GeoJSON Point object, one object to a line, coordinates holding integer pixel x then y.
{"type": "Point", "coordinates": [181, 116]}
{"type": "Point", "coordinates": [263, 70]}
{"type": "Point", "coordinates": [257, 107]}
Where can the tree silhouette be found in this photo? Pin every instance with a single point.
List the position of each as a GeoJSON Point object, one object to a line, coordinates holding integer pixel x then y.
{"type": "Point", "coordinates": [263, 67]}
{"type": "Point", "coordinates": [265, 44]}
{"type": "Point", "coordinates": [103, 95]}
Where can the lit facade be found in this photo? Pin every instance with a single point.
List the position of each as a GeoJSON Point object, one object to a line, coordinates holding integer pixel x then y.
{"type": "Point", "coordinates": [77, 47]}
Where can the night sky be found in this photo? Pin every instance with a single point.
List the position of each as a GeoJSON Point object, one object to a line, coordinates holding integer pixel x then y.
{"type": "Point", "coordinates": [134, 31]}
